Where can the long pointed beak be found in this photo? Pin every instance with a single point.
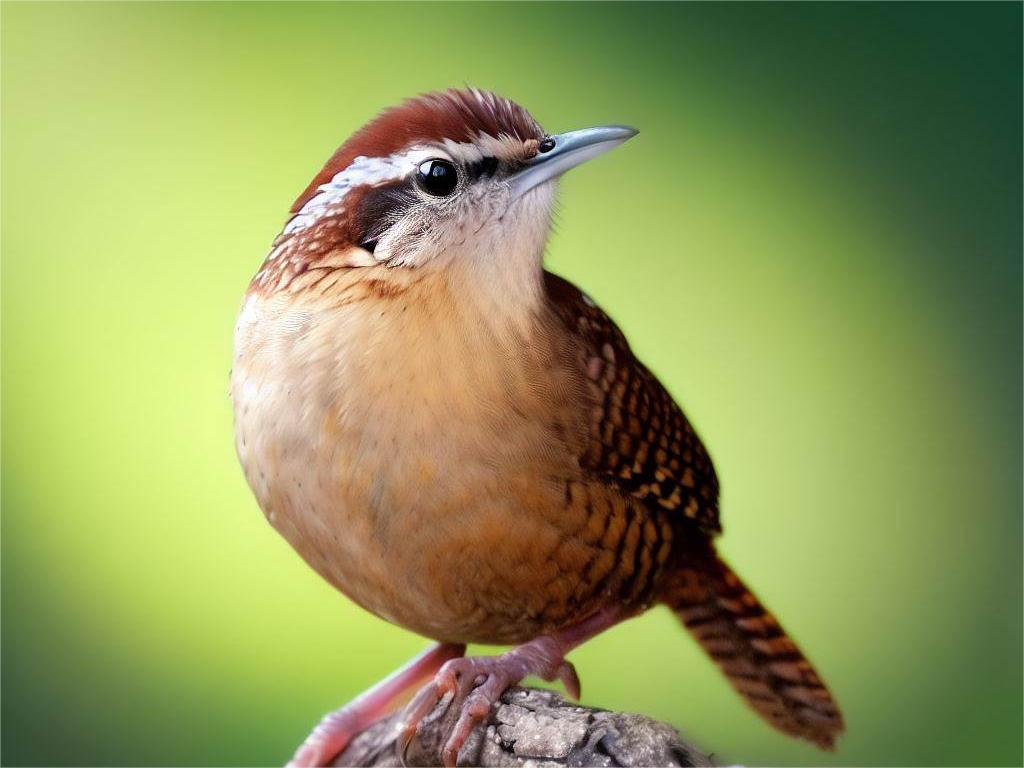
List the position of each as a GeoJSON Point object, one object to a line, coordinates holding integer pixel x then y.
{"type": "Point", "coordinates": [567, 151]}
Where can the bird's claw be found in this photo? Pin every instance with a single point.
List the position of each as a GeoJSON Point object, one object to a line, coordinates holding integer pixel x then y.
{"type": "Point", "coordinates": [422, 704]}
{"type": "Point", "coordinates": [567, 674]}
{"type": "Point", "coordinates": [475, 685]}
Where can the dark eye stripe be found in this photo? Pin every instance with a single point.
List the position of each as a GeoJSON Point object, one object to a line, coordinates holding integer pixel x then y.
{"type": "Point", "coordinates": [380, 207]}
{"type": "Point", "coordinates": [485, 167]}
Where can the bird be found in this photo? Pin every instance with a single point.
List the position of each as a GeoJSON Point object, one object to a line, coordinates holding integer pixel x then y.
{"type": "Point", "coordinates": [464, 443]}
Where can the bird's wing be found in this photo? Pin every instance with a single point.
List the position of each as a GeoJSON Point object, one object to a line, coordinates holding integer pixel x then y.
{"type": "Point", "coordinates": [640, 441]}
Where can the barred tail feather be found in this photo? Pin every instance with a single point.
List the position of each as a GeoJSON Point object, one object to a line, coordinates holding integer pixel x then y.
{"type": "Point", "coordinates": [752, 650]}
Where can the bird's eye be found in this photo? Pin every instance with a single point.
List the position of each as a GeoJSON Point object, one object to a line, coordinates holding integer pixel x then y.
{"type": "Point", "coordinates": [438, 177]}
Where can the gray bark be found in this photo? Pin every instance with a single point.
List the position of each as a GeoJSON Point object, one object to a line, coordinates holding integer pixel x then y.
{"type": "Point", "coordinates": [532, 727]}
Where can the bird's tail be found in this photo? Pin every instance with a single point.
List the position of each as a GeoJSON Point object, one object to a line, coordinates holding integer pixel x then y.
{"type": "Point", "coordinates": [752, 650]}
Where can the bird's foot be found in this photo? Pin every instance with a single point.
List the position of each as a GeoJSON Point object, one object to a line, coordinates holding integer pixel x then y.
{"type": "Point", "coordinates": [334, 732]}
{"type": "Point", "coordinates": [476, 684]}
{"type": "Point", "coordinates": [329, 738]}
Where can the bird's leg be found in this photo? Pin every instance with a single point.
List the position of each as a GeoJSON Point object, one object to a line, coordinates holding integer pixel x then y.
{"type": "Point", "coordinates": [476, 683]}
{"type": "Point", "coordinates": [336, 730]}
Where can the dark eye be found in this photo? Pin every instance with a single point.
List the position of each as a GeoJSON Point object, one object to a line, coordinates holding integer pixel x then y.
{"type": "Point", "coordinates": [438, 177]}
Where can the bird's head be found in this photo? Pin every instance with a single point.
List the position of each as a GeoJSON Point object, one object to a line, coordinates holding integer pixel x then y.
{"type": "Point", "coordinates": [454, 179]}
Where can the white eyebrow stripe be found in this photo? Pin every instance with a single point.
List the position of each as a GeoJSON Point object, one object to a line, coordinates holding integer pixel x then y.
{"type": "Point", "coordinates": [469, 152]}
{"type": "Point", "coordinates": [462, 152]}
{"type": "Point", "coordinates": [361, 171]}
{"type": "Point", "coordinates": [374, 171]}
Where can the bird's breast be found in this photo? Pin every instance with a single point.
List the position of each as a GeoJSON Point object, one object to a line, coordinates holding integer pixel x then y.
{"type": "Point", "coordinates": [378, 432]}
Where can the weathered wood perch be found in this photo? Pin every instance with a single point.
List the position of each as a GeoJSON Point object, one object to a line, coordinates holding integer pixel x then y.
{"type": "Point", "coordinates": [537, 728]}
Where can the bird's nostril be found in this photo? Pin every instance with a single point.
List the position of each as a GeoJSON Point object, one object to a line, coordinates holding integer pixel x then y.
{"type": "Point", "coordinates": [546, 145]}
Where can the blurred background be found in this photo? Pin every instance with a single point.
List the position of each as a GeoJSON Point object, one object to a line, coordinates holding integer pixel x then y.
{"type": "Point", "coordinates": [815, 241]}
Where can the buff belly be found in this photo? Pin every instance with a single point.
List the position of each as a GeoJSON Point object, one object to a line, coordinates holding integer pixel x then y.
{"type": "Point", "coordinates": [395, 482]}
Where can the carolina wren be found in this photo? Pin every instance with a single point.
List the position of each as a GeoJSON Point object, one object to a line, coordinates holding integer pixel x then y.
{"type": "Point", "coordinates": [463, 443]}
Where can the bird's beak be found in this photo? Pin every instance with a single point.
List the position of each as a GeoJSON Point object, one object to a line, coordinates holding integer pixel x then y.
{"type": "Point", "coordinates": [567, 151]}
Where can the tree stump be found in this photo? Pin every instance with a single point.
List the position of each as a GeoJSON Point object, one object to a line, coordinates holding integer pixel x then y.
{"type": "Point", "coordinates": [532, 727]}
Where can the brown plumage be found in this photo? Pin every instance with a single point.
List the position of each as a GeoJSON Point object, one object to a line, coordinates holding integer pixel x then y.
{"type": "Point", "coordinates": [746, 642]}
{"type": "Point", "coordinates": [464, 443]}
{"type": "Point", "coordinates": [642, 444]}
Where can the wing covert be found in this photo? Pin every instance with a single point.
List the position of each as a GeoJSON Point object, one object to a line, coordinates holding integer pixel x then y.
{"type": "Point", "coordinates": [640, 440]}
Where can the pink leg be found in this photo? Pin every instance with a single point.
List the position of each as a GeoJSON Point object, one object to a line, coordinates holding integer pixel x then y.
{"type": "Point", "coordinates": [338, 728]}
{"type": "Point", "coordinates": [477, 683]}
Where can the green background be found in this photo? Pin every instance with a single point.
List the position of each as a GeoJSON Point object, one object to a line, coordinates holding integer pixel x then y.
{"type": "Point", "coordinates": [815, 241]}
